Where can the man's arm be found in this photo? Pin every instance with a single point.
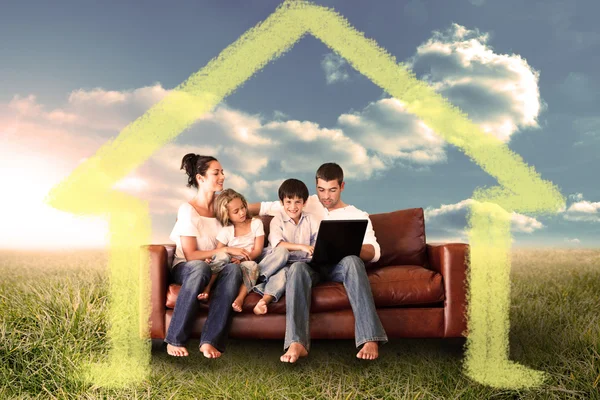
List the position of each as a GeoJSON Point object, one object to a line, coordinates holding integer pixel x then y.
{"type": "Point", "coordinates": [253, 209]}
{"type": "Point", "coordinates": [264, 208]}
{"type": "Point", "coordinates": [367, 252]}
{"type": "Point", "coordinates": [371, 241]}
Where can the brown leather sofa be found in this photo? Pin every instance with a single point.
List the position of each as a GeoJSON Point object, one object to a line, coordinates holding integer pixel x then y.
{"type": "Point", "coordinates": [418, 288]}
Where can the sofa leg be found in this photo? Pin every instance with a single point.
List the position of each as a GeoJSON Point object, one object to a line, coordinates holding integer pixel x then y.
{"type": "Point", "coordinates": [158, 344]}
{"type": "Point", "coordinates": [455, 343]}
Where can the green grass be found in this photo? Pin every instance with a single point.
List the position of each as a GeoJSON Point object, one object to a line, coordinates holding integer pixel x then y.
{"type": "Point", "coordinates": [53, 319]}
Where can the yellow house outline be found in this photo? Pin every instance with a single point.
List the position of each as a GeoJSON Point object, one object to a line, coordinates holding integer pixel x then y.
{"type": "Point", "coordinates": [89, 189]}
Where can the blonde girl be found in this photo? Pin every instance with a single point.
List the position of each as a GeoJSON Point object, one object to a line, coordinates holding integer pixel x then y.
{"type": "Point", "coordinates": [238, 231]}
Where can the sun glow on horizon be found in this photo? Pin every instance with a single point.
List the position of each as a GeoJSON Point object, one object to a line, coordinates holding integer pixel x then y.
{"type": "Point", "coordinates": [27, 222]}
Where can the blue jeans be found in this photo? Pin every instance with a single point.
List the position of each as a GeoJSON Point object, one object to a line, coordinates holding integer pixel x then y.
{"type": "Point", "coordinates": [351, 272]}
{"type": "Point", "coordinates": [193, 276]}
{"type": "Point", "coordinates": [272, 271]}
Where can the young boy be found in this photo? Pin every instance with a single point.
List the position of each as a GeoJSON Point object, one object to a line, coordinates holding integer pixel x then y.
{"type": "Point", "coordinates": [292, 237]}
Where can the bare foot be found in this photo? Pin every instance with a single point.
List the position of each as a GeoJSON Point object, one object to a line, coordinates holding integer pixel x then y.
{"type": "Point", "coordinates": [209, 351]}
{"type": "Point", "coordinates": [177, 351]}
{"type": "Point", "coordinates": [369, 351]}
{"type": "Point", "coordinates": [203, 296]}
{"type": "Point", "coordinates": [261, 307]}
{"type": "Point", "coordinates": [293, 353]}
{"type": "Point", "coordinates": [237, 305]}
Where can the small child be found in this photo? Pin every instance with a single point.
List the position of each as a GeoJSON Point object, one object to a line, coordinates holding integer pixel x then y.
{"type": "Point", "coordinates": [292, 238]}
{"type": "Point", "coordinates": [240, 232]}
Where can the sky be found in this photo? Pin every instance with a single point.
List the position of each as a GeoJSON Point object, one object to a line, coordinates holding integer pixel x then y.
{"type": "Point", "coordinates": [73, 74]}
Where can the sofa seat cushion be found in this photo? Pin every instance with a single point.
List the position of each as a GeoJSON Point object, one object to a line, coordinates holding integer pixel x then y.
{"type": "Point", "coordinates": [392, 286]}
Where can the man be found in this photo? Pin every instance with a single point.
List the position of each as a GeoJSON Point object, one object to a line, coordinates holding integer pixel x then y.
{"type": "Point", "coordinates": [327, 204]}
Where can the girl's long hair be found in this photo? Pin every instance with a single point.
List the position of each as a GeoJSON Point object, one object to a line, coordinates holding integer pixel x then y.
{"type": "Point", "coordinates": [223, 199]}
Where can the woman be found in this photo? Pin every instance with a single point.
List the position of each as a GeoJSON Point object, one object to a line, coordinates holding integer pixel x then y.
{"type": "Point", "coordinates": [195, 234]}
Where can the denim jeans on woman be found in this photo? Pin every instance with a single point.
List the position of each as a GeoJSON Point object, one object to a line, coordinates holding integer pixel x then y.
{"type": "Point", "coordinates": [193, 276]}
{"type": "Point", "coordinates": [351, 272]}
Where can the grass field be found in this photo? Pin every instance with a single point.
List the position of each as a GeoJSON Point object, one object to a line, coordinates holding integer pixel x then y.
{"type": "Point", "coordinates": [53, 318]}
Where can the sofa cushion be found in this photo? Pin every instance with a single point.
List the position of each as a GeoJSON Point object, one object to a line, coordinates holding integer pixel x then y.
{"type": "Point", "coordinates": [391, 286]}
{"type": "Point", "coordinates": [401, 236]}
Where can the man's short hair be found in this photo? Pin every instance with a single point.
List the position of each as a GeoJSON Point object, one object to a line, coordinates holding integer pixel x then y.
{"type": "Point", "coordinates": [291, 188]}
{"type": "Point", "coordinates": [329, 172]}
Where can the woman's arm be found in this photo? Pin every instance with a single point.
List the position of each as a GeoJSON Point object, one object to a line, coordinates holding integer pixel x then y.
{"type": "Point", "coordinates": [189, 245]}
{"type": "Point", "coordinates": [191, 252]}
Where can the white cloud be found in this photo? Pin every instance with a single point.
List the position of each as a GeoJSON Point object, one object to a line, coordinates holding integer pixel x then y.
{"type": "Point", "coordinates": [25, 106]}
{"type": "Point", "coordinates": [386, 127]}
{"type": "Point", "coordinates": [585, 211]}
{"type": "Point", "coordinates": [267, 190]}
{"type": "Point", "coordinates": [105, 112]}
{"type": "Point", "coordinates": [498, 91]}
{"type": "Point", "coordinates": [303, 146]}
{"type": "Point", "coordinates": [525, 224]}
{"type": "Point", "coordinates": [580, 210]}
{"type": "Point", "coordinates": [452, 219]}
{"type": "Point", "coordinates": [573, 241]}
{"type": "Point", "coordinates": [333, 65]}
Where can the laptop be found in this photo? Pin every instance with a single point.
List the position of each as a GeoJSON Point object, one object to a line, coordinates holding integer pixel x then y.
{"type": "Point", "coordinates": [338, 239]}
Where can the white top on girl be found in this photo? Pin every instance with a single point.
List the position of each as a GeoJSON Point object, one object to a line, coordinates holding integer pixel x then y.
{"type": "Point", "coordinates": [227, 236]}
{"type": "Point", "coordinates": [190, 223]}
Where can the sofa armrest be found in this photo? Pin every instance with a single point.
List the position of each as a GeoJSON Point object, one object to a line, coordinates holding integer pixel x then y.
{"type": "Point", "coordinates": [451, 260]}
{"type": "Point", "coordinates": [158, 289]}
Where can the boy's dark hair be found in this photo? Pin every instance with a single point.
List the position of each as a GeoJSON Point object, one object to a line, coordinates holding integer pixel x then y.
{"type": "Point", "coordinates": [291, 188]}
{"type": "Point", "coordinates": [329, 172]}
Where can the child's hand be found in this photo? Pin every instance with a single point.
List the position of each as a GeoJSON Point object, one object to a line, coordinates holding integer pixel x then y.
{"type": "Point", "coordinates": [236, 261]}
{"type": "Point", "coordinates": [207, 260]}
{"type": "Point", "coordinates": [236, 251]}
{"type": "Point", "coordinates": [309, 249]}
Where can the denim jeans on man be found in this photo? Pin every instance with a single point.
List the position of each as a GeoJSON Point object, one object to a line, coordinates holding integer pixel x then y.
{"type": "Point", "coordinates": [351, 272]}
{"type": "Point", "coordinates": [193, 276]}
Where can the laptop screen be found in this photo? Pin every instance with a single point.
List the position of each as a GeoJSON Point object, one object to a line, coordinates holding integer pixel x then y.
{"type": "Point", "coordinates": [338, 239]}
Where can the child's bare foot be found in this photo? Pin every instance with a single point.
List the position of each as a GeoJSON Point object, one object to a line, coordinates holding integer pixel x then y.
{"type": "Point", "coordinates": [293, 353]}
{"type": "Point", "coordinates": [237, 304]}
{"type": "Point", "coordinates": [369, 351]}
{"type": "Point", "coordinates": [177, 351]}
{"type": "Point", "coordinates": [209, 351]}
{"type": "Point", "coordinates": [261, 307]}
{"type": "Point", "coordinates": [203, 296]}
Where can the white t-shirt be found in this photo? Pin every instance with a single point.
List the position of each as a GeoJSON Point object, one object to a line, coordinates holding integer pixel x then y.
{"type": "Point", "coordinates": [190, 223]}
{"type": "Point", "coordinates": [315, 208]}
{"type": "Point", "coordinates": [226, 236]}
